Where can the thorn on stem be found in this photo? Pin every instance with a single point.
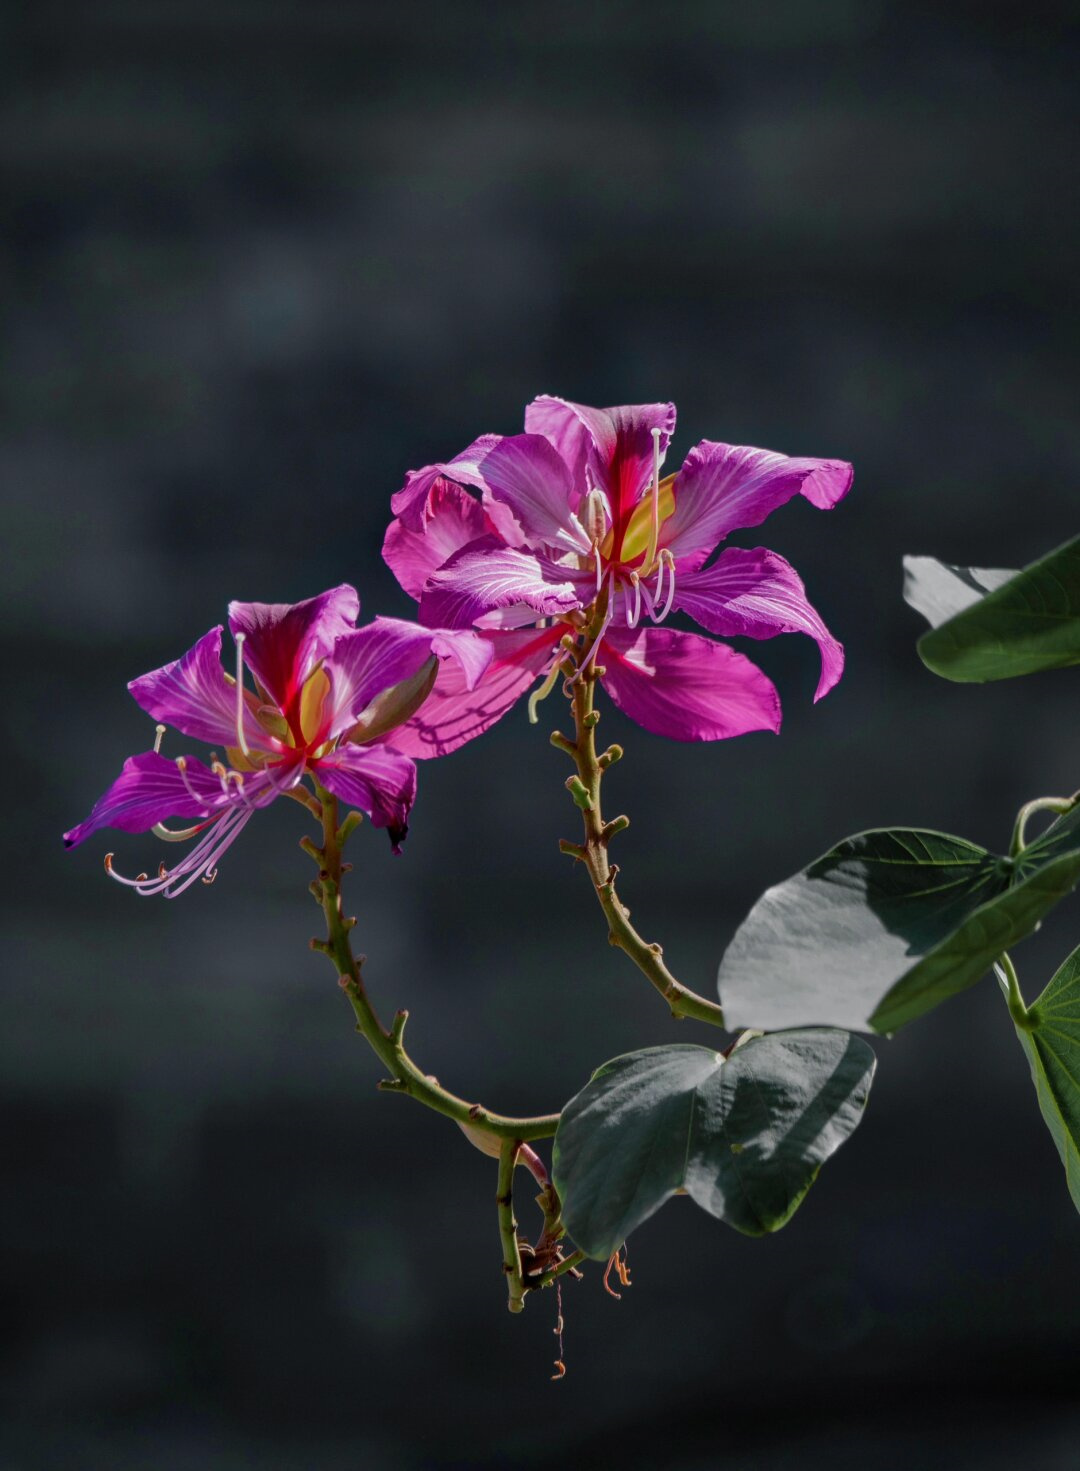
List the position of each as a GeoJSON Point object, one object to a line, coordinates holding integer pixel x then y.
{"type": "Point", "coordinates": [616, 825]}
{"type": "Point", "coordinates": [591, 720]}
{"type": "Point", "coordinates": [575, 850]}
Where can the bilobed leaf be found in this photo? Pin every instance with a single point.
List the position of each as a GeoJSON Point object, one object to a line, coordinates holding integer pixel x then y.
{"type": "Point", "coordinates": [887, 925]}
{"type": "Point", "coordinates": [987, 624]}
{"type": "Point", "coordinates": [743, 1137]}
{"type": "Point", "coordinates": [1051, 1042]}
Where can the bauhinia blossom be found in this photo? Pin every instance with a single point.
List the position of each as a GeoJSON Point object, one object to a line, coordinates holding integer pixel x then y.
{"type": "Point", "coordinates": [327, 703]}
{"type": "Point", "coordinates": [570, 528]}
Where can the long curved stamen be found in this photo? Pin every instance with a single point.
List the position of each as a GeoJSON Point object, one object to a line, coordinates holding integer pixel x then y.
{"type": "Point", "coordinates": [633, 615]}
{"type": "Point", "coordinates": [654, 516]}
{"type": "Point", "coordinates": [658, 590]}
{"type": "Point", "coordinates": [666, 560]}
{"type": "Point", "coordinates": [545, 689]}
{"type": "Point", "coordinates": [594, 646]}
{"type": "Point", "coordinates": [237, 779]}
{"type": "Point", "coordinates": [199, 863]}
{"type": "Point", "coordinates": [181, 766]}
{"type": "Point", "coordinates": [241, 741]}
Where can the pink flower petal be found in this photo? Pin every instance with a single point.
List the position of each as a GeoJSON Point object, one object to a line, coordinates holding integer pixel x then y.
{"type": "Point", "coordinates": [411, 501]}
{"type": "Point", "coordinates": [284, 641]}
{"type": "Point", "coordinates": [453, 713]}
{"type": "Point", "coordinates": [378, 780]}
{"type": "Point", "coordinates": [722, 487]}
{"type": "Point", "coordinates": [151, 789]}
{"type": "Point", "coordinates": [453, 519]}
{"type": "Point", "coordinates": [527, 474]}
{"type": "Point", "coordinates": [486, 575]}
{"type": "Point", "coordinates": [610, 448]}
{"type": "Point", "coordinates": [757, 594]}
{"type": "Point", "coordinates": [367, 661]}
{"type": "Point", "coordinates": [192, 695]}
{"type": "Point", "coordinates": [686, 687]}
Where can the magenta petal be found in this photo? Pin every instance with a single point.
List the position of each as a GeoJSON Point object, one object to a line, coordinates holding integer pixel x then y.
{"type": "Point", "coordinates": [686, 687]}
{"type": "Point", "coordinates": [486, 575]}
{"type": "Point", "coordinates": [526, 473]}
{"type": "Point", "coordinates": [410, 502]}
{"type": "Point", "coordinates": [366, 661]}
{"type": "Point", "coordinates": [453, 713]}
{"type": "Point", "coordinates": [610, 448]}
{"type": "Point", "coordinates": [757, 594]}
{"type": "Point", "coordinates": [452, 520]}
{"type": "Point", "coordinates": [378, 780]}
{"type": "Point", "coordinates": [722, 487]}
{"type": "Point", "coordinates": [471, 652]}
{"type": "Point", "coordinates": [192, 695]}
{"type": "Point", "coordinates": [284, 641]}
{"type": "Point", "coordinates": [151, 789]}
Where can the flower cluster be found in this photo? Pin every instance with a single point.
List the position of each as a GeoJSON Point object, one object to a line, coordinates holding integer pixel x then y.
{"type": "Point", "coordinates": [519, 543]}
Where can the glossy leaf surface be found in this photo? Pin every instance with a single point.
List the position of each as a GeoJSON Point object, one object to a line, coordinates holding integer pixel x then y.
{"type": "Point", "coordinates": [1051, 1042]}
{"type": "Point", "coordinates": [988, 624]}
{"type": "Point", "coordinates": [887, 925]}
{"type": "Point", "coordinates": [744, 1138]}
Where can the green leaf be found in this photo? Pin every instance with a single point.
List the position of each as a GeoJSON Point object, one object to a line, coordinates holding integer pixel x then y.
{"type": "Point", "coordinates": [743, 1137]}
{"type": "Point", "coordinates": [887, 925]}
{"type": "Point", "coordinates": [1051, 1042]}
{"type": "Point", "coordinates": [988, 624]}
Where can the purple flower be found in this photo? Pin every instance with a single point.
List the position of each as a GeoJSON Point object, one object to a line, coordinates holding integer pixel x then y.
{"type": "Point", "coordinates": [328, 701]}
{"type": "Point", "coordinates": [570, 526]}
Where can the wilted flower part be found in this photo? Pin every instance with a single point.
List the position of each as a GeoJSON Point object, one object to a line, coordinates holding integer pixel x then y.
{"type": "Point", "coordinates": [599, 539]}
{"type": "Point", "coordinates": [327, 701]}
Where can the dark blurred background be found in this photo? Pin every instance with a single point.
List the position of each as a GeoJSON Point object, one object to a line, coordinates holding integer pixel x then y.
{"type": "Point", "coordinates": [258, 259]}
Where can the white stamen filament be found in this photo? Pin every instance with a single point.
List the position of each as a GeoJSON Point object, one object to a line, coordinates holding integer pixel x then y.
{"type": "Point", "coordinates": [181, 766]}
{"type": "Point", "coordinates": [240, 739]}
{"type": "Point", "coordinates": [159, 736]}
{"type": "Point", "coordinates": [633, 615]}
{"type": "Point", "coordinates": [658, 590]}
{"type": "Point", "coordinates": [545, 689]}
{"type": "Point", "coordinates": [666, 560]}
{"type": "Point", "coordinates": [199, 862]}
{"type": "Point", "coordinates": [237, 778]}
{"type": "Point", "coordinates": [591, 655]}
{"type": "Point", "coordinates": [654, 516]}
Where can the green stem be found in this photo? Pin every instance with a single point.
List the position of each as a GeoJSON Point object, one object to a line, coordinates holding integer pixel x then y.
{"type": "Point", "coordinates": [1029, 809]}
{"type": "Point", "coordinates": [388, 1045]}
{"type": "Point", "coordinates": [1010, 985]}
{"type": "Point", "coordinates": [508, 1226]}
{"type": "Point", "coordinates": [567, 1264]}
{"type": "Point", "coordinates": [585, 790]}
